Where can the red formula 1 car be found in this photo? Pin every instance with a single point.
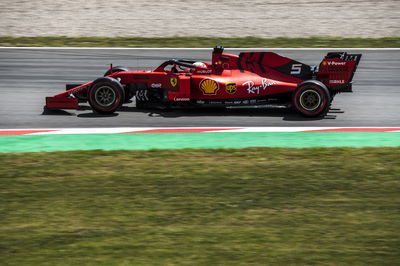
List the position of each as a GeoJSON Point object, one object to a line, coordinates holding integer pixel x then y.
{"type": "Point", "coordinates": [250, 78]}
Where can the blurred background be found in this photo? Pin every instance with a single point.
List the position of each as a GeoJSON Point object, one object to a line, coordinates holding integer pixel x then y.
{"type": "Point", "coordinates": [224, 18]}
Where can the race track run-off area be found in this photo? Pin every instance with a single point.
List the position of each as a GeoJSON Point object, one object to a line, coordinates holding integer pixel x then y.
{"type": "Point", "coordinates": [36, 140]}
{"type": "Point", "coordinates": [28, 75]}
{"type": "Point", "coordinates": [195, 187]}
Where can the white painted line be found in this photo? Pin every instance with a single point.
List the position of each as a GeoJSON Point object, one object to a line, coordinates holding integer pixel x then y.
{"type": "Point", "coordinates": [101, 48]}
{"type": "Point", "coordinates": [184, 48]}
{"type": "Point", "coordinates": [87, 131]}
{"type": "Point", "coordinates": [317, 49]}
{"type": "Point", "coordinates": [118, 130]}
{"type": "Point", "coordinates": [276, 129]}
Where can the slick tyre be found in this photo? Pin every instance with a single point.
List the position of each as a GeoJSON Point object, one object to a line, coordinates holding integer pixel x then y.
{"type": "Point", "coordinates": [128, 93]}
{"type": "Point", "coordinates": [311, 99]}
{"type": "Point", "coordinates": [115, 70]}
{"type": "Point", "coordinates": [106, 95]}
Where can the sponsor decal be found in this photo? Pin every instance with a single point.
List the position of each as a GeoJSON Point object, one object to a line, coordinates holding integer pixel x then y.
{"type": "Point", "coordinates": [234, 102]}
{"type": "Point", "coordinates": [207, 71]}
{"type": "Point", "coordinates": [209, 86]}
{"type": "Point", "coordinates": [181, 99]}
{"type": "Point", "coordinates": [156, 85]}
{"type": "Point", "coordinates": [255, 89]}
{"type": "Point", "coordinates": [230, 87]}
{"type": "Point", "coordinates": [296, 69]}
{"type": "Point", "coordinates": [336, 81]}
{"type": "Point", "coordinates": [324, 63]}
{"type": "Point", "coordinates": [141, 95]}
{"type": "Point", "coordinates": [338, 69]}
{"type": "Point", "coordinates": [333, 63]}
{"type": "Point", "coordinates": [173, 81]}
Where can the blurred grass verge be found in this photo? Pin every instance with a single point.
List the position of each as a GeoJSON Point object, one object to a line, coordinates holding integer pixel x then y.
{"type": "Point", "coordinates": [254, 206]}
{"type": "Point", "coordinates": [207, 42]}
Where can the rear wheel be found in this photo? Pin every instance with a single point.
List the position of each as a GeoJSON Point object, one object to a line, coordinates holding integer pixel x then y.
{"type": "Point", "coordinates": [106, 95]}
{"type": "Point", "coordinates": [311, 99]}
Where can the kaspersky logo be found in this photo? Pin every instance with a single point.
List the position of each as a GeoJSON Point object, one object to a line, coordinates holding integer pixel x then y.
{"type": "Point", "coordinates": [209, 86]}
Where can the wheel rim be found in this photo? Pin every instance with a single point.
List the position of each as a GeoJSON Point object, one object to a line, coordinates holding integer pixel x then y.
{"type": "Point", "coordinates": [310, 100]}
{"type": "Point", "coordinates": [105, 96]}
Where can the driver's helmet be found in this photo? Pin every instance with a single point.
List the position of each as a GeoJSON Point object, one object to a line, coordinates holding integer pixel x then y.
{"type": "Point", "coordinates": [199, 64]}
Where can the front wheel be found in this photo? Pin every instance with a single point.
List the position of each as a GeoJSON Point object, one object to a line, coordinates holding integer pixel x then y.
{"type": "Point", "coordinates": [115, 70]}
{"type": "Point", "coordinates": [106, 95]}
{"type": "Point", "coordinates": [311, 99]}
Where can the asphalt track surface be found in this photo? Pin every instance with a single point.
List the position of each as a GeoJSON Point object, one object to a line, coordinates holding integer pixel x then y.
{"type": "Point", "coordinates": [28, 75]}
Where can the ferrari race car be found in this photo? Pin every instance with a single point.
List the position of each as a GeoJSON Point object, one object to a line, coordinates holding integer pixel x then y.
{"type": "Point", "coordinates": [247, 79]}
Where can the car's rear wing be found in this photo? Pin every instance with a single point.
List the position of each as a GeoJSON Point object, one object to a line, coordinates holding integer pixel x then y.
{"type": "Point", "coordinates": [337, 69]}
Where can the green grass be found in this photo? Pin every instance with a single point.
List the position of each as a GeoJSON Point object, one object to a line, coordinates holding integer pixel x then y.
{"type": "Point", "coordinates": [255, 206]}
{"type": "Point", "coordinates": [208, 42]}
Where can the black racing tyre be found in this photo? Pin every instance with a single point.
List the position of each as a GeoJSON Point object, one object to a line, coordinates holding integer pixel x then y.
{"type": "Point", "coordinates": [128, 93]}
{"type": "Point", "coordinates": [311, 98]}
{"type": "Point", "coordinates": [115, 70]}
{"type": "Point", "coordinates": [106, 95]}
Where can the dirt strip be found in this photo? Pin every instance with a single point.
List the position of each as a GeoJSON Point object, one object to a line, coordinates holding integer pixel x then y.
{"type": "Point", "coordinates": [270, 18]}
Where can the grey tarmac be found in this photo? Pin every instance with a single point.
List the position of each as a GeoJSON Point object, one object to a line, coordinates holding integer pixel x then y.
{"type": "Point", "coordinates": [28, 75]}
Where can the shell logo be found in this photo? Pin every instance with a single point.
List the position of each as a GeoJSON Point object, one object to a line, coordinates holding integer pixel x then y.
{"type": "Point", "coordinates": [209, 86]}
